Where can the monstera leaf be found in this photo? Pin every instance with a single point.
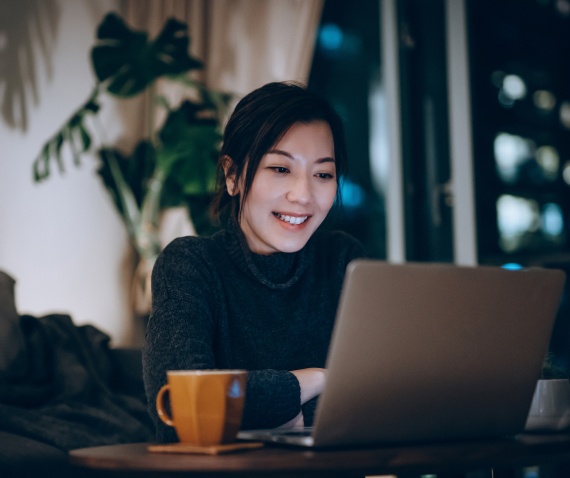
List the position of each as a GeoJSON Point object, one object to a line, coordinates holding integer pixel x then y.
{"type": "Point", "coordinates": [189, 139]}
{"type": "Point", "coordinates": [136, 170]}
{"type": "Point", "coordinates": [129, 62]}
{"type": "Point", "coordinates": [74, 133]}
{"type": "Point", "coordinates": [175, 165]}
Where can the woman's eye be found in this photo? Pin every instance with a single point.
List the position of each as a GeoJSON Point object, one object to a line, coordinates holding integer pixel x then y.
{"type": "Point", "coordinates": [325, 176]}
{"type": "Point", "coordinates": [280, 169]}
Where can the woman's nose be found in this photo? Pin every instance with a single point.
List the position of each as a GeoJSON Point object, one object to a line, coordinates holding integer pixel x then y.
{"type": "Point", "coordinates": [300, 191]}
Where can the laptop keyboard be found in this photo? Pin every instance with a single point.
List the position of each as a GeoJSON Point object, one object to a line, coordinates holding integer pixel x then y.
{"type": "Point", "coordinates": [305, 432]}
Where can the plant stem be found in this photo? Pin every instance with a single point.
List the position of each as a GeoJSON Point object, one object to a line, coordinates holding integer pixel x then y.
{"type": "Point", "coordinates": [149, 243]}
{"type": "Point", "coordinates": [130, 211]}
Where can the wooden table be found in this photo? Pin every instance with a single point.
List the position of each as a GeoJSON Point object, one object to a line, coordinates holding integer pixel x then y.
{"type": "Point", "coordinates": [447, 459]}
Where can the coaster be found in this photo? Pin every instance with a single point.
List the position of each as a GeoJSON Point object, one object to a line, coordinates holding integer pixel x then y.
{"type": "Point", "coordinates": [204, 450]}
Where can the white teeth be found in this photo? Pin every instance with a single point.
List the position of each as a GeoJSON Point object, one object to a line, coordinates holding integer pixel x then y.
{"type": "Point", "coordinates": [292, 219]}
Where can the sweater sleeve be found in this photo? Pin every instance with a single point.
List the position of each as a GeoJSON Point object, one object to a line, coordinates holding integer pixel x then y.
{"type": "Point", "coordinates": [181, 335]}
{"type": "Point", "coordinates": [273, 397]}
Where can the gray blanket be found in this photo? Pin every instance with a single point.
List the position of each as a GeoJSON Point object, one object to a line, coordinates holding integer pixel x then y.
{"type": "Point", "coordinates": [58, 387]}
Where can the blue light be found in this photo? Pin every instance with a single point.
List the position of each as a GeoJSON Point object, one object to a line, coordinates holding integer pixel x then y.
{"type": "Point", "coordinates": [352, 194]}
{"type": "Point", "coordinates": [552, 220]}
{"type": "Point", "coordinates": [330, 37]}
{"type": "Point", "coordinates": [512, 266]}
{"type": "Point", "coordinates": [235, 390]}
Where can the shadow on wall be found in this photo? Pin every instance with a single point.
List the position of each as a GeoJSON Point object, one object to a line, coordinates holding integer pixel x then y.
{"type": "Point", "coordinates": [28, 30]}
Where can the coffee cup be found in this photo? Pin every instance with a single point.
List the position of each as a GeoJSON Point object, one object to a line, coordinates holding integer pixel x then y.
{"type": "Point", "coordinates": [206, 406]}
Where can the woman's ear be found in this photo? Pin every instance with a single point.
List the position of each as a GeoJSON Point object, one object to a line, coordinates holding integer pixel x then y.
{"type": "Point", "coordinates": [230, 174]}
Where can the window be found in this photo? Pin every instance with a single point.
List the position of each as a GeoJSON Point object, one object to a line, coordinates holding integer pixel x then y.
{"type": "Point", "coordinates": [346, 70]}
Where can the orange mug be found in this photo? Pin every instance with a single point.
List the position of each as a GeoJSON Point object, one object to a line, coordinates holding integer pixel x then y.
{"type": "Point", "coordinates": [206, 405]}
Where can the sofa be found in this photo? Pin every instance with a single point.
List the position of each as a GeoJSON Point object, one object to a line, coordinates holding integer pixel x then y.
{"type": "Point", "coordinates": [62, 387]}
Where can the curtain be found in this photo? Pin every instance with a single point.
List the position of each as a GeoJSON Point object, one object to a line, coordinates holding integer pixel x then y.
{"type": "Point", "coordinates": [243, 43]}
{"type": "Point", "coordinates": [262, 41]}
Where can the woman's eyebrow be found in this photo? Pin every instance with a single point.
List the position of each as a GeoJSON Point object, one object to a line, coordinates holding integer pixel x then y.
{"type": "Point", "coordinates": [326, 159]}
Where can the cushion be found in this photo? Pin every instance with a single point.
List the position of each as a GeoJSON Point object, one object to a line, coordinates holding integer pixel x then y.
{"type": "Point", "coordinates": [12, 343]}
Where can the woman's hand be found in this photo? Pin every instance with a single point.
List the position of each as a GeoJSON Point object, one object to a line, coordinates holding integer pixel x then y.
{"type": "Point", "coordinates": [297, 422]}
{"type": "Point", "coordinates": [311, 381]}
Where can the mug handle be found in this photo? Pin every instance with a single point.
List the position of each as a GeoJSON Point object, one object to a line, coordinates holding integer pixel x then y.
{"type": "Point", "coordinates": [162, 413]}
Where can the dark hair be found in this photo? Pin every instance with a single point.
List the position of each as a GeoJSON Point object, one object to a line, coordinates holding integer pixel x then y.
{"type": "Point", "coordinates": [257, 123]}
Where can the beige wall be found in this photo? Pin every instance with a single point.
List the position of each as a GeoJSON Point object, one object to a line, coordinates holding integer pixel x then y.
{"type": "Point", "coordinates": [61, 240]}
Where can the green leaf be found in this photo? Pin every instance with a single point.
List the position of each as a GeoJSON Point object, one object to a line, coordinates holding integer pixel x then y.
{"type": "Point", "coordinates": [55, 149]}
{"type": "Point", "coordinates": [92, 106]}
{"type": "Point", "coordinates": [136, 170]}
{"type": "Point", "coordinates": [85, 138]}
{"type": "Point", "coordinates": [196, 171]}
{"type": "Point", "coordinates": [104, 171]}
{"type": "Point", "coordinates": [189, 147]}
{"type": "Point", "coordinates": [41, 164]}
{"type": "Point", "coordinates": [69, 136]}
{"type": "Point", "coordinates": [128, 62]}
{"type": "Point", "coordinates": [58, 144]}
{"type": "Point", "coordinates": [73, 133]}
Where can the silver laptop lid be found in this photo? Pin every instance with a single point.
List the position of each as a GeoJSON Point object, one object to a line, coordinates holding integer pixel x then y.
{"type": "Point", "coordinates": [428, 351]}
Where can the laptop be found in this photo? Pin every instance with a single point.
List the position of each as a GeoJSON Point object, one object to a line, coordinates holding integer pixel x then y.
{"type": "Point", "coordinates": [431, 352]}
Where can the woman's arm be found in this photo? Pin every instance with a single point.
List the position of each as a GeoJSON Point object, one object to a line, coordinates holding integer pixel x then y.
{"type": "Point", "coordinates": [311, 381]}
{"type": "Point", "coordinates": [181, 333]}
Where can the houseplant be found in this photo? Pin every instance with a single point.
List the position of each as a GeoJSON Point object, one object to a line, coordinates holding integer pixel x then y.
{"type": "Point", "coordinates": [175, 164]}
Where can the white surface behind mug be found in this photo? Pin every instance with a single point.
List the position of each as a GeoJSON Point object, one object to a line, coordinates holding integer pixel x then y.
{"type": "Point", "coordinates": [550, 408]}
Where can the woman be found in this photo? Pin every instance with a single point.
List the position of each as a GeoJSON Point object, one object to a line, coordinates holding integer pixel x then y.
{"type": "Point", "coordinates": [262, 294]}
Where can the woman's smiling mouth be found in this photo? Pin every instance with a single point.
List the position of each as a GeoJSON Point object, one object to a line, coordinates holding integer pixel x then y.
{"type": "Point", "coordinates": [295, 220]}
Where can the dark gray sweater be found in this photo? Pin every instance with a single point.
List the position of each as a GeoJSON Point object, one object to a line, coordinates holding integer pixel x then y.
{"type": "Point", "coordinates": [218, 305]}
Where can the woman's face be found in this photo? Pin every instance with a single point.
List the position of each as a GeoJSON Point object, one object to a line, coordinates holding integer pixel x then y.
{"type": "Point", "coordinates": [293, 190]}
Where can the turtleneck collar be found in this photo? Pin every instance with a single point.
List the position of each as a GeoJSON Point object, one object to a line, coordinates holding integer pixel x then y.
{"type": "Point", "coordinates": [276, 271]}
